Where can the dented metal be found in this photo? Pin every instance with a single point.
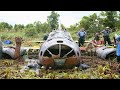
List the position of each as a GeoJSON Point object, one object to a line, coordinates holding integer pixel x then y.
{"type": "Point", "coordinates": [59, 50]}
{"type": "Point", "coordinates": [105, 52]}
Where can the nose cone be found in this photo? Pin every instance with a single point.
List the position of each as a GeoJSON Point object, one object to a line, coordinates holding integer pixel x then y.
{"type": "Point", "coordinates": [59, 51]}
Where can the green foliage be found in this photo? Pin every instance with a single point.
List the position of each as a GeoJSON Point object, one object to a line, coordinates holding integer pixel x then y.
{"type": "Point", "coordinates": [45, 27]}
{"type": "Point", "coordinates": [10, 69]}
{"type": "Point", "coordinates": [117, 24]}
{"type": "Point", "coordinates": [37, 30]}
{"type": "Point", "coordinates": [41, 27]}
{"type": "Point", "coordinates": [30, 32]}
{"type": "Point", "coordinates": [62, 26]}
{"type": "Point", "coordinates": [37, 26]}
{"type": "Point", "coordinates": [29, 26]}
{"type": "Point", "coordinates": [18, 27]}
{"type": "Point", "coordinates": [110, 19]}
{"type": "Point", "coordinates": [11, 35]}
{"type": "Point", "coordinates": [4, 25]}
{"type": "Point", "coordinates": [91, 23]}
{"type": "Point", "coordinates": [94, 23]}
{"type": "Point", "coordinates": [53, 20]}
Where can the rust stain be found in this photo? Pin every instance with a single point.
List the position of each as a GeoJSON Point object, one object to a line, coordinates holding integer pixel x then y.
{"type": "Point", "coordinates": [47, 61]}
{"type": "Point", "coordinates": [71, 61]}
{"type": "Point", "coordinates": [18, 41]}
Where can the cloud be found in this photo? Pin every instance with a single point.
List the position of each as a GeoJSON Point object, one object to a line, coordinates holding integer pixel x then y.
{"type": "Point", "coordinates": [72, 17]}
{"type": "Point", "coordinates": [68, 20]}
{"type": "Point", "coordinates": [25, 17]}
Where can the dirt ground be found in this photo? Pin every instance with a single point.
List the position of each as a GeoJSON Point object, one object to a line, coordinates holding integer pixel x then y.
{"type": "Point", "coordinates": [99, 69]}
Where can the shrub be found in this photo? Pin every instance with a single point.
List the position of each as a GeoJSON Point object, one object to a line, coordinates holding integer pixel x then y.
{"type": "Point", "coordinates": [30, 32]}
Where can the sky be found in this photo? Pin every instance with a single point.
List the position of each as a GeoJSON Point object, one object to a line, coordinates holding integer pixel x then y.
{"type": "Point", "coordinates": [66, 18]}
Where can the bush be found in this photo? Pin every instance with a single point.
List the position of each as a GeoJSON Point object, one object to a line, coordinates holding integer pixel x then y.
{"type": "Point", "coordinates": [30, 32]}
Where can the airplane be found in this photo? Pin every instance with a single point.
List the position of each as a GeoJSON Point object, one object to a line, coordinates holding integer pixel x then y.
{"type": "Point", "coordinates": [59, 50]}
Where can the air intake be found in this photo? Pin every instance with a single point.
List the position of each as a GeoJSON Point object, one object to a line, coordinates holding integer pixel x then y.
{"type": "Point", "coordinates": [59, 41]}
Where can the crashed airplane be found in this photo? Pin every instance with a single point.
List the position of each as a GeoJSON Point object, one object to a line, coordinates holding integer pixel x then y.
{"type": "Point", "coordinates": [59, 51]}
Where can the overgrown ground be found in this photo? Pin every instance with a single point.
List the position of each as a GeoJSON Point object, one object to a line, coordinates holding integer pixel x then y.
{"type": "Point", "coordinates": [99, 69]}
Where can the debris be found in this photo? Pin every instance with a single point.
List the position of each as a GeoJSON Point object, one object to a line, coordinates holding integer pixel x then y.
{"type": "Point", "coordinates": [18, 41]}
{"type": "Point", "coordinates": [84, 66]}
{"type": "Point", "coordinates": [7, 42]}
{"type": "Point", "coordinates": [105, 52]}
{"type": "Point", "coordinates": [9, 52]}
{"type": "Point", "coordinates": [32, 64]}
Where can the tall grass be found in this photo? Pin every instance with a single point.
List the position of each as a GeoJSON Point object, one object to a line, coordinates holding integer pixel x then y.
{"type": "Point", "coordinates": [10, 35]}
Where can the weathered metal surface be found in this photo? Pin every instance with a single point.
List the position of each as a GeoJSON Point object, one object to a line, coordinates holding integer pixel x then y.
{"type": "Point", "coordinates": [61, 47]}
{"type": "Point", "coordinates": [84, 66]}
{"type": "Point", "coordinates": [105, 52]}
{"type": "Point", "coordinates": [9, 52]}
{"type": "Point", "coordinates": [18, 41]}
{"type": "Point", "coordinates": [71, 61]}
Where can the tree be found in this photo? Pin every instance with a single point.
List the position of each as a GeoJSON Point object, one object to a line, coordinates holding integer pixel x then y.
{"type": "Point", "coordinates": [10, 27]}
{"type": "Point", "coordinates": [62, 26]}
{"type": "Point", "coordinates": [90, 23]}
{"type": "Point", "coordinates": [118, 21]}
{"type": "Point", "coordinates": [41, 27]}
{"type": "Point", "coordinates": [37, 25]}
{"type": "Point", "coordinates": [53, 20]}
{"type": "Point", "coordinates": [18, 27]}
{"type": "Point", "coordinates": [29, 26]}
{"type": "Point", "coordinates": [30, 32]}
{"type": "Point", "coordinates": [85, 22]}
{"type": "Point", "coordinates": [110, 19]}
{"type": "Point", "coordinates": [45, 27]}
{"type": "Point", "coordinates": [4, 25]}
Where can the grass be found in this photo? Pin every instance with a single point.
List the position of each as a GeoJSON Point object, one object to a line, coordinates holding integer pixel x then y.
{"type": "Point", "coordinates": [11, 36]}
{"type": "Point", "coordinates": [10, 69]}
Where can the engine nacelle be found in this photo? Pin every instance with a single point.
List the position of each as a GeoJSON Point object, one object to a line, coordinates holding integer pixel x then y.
{"type": "Point", "coordinates": [59, 50]}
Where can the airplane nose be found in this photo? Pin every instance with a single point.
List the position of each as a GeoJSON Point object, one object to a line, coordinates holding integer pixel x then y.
{"type": "Point", "coordinates": [60, 56]}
